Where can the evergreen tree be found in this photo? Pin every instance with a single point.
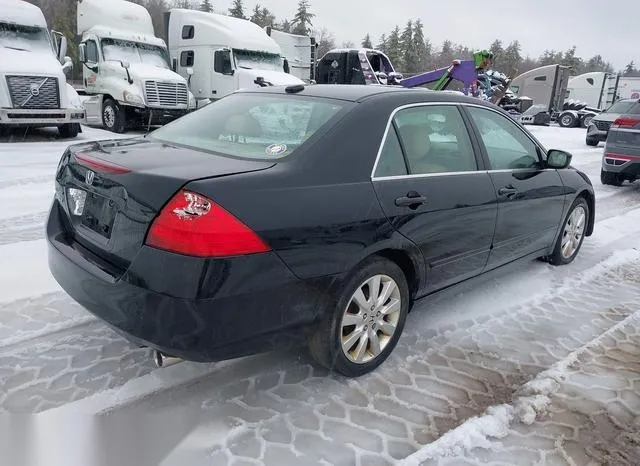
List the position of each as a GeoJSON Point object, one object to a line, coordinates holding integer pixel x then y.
{"type": "Point", "coordinates": [262, 16]}
{"type": "Point", "coordinates": [366, 42]}
{"type": "Point", "coordinates": [409, 56]}
{"type": "Point", "coordinates": [185, 4]}
{"type": "Point", "coordinates": [302, 20]}
{"type": "Point", "coordinates": [206, 6]}
{"type": "Point", "coordinates": [446, 55]}
{"type": "Point", "coordinates": [394, 49]}
{"type": "Point", "coordinates": [285, 26]}
{"type": "Point", "coordinates": [630, 69]}
{"type": "Point", "coordinates": [498, 52]}
{"type": "Point", "coordinates": [422, 47]}
{"type": "Point", "coordinates": [382, 45]}
{"type": "Point", "coordinates": [237, 10]}
{"type": "Point", "coordinates": [512, 57]}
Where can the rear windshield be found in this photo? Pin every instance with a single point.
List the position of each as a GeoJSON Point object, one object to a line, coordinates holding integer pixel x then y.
{"type": "Point", "coordinates": [624, 107]}
{"type": "Point", "coordinates": [256, 126]}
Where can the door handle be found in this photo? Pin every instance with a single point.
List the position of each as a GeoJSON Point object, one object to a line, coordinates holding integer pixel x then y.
{"type": "Point", "coordinates": [412, 200]}
{"type": "Point", "coordinates": [507, 191]}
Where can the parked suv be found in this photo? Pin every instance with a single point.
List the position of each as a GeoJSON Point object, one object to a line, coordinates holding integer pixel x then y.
{"type": "Point", "coordinates": [621, 159]}
{"type": "Point", "coordinates": [599, 126]}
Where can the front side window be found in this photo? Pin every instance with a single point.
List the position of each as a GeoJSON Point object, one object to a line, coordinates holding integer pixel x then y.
{"type": "Point", "coordinates": [27, 38]}
{"type": "Point", "coordinates": [255, 126]}
{"type": "Point", "coordinates": [250, 59]}
{"type": "Point", "coordinates": [434, 140]}
{"type": "Point", "coordinates": [135, 52]}
{"type": "Point", "coordinates": [186, 58]}
{"type": "Point", "coordinates": [91, 52]}
{"type": "Point", "coordinates": [507, 146]}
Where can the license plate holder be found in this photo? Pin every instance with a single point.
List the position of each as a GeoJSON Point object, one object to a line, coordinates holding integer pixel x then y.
{"type": "Point", "coordinates": [99, 214]}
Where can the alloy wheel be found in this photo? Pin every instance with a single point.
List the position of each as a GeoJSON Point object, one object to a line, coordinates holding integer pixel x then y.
{"type": "Point", "coordinates": [573, 231]}
{"type": "Point", "coordinates": [370, 319]}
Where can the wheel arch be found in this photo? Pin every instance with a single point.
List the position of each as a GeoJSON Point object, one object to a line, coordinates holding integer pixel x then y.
{"type": "Point", "coordinates": [591, 202]}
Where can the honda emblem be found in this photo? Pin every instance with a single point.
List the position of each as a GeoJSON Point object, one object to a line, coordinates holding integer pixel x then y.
{"type": "Point", "coordinates": [89, 177]}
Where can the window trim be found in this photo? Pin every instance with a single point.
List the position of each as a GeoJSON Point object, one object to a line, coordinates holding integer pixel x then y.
{"type": "Point", "coordinates": [474, 143]}
{"type": "Point", "coordinates": [541, 151]}
{"type": "Point", "coordinates": [390, 122]}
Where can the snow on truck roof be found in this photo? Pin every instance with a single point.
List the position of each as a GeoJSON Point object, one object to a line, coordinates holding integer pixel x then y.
{"type": "Point", "coordinates": [226, 31]}
{"type": "Point", "coordinates": [118, 15]}
{"type": "Point", "coordinates": [20, 12]}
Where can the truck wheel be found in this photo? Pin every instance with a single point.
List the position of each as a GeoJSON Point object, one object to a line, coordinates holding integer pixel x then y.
{"type": "Point", "coordinates": [113, 116]}
{"type": "Point", "coordinates": [69, 130]}
{"type": "Point", "coordinates": [567, 120]}
{"type": "Point", "coordinates": [592, 142]}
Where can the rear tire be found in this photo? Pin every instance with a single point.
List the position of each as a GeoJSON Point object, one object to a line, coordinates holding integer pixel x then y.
{"type": "Point", "coordinates": [573, 232]}
{"type": "Point", "coordinates": [611, 179]}
{"type": "Point", "coordinates": [113, 116]}
{"type": "Point", "coordinates": [69, 130]}
{"type": "Point", "coordinates": [355, 339]}
{"type": "Point", "coordinates": [592, 142]}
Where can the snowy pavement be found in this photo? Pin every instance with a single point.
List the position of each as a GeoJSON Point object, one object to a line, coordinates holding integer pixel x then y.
{"type": "Point", "coordinates": [463, 381]}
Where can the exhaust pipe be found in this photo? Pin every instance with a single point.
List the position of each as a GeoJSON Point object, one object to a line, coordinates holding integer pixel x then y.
{"type": "Point", "coordinates": [162, 360]}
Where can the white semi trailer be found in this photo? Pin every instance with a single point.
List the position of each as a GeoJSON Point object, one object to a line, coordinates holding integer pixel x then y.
{"type": "Point", "coordinates": [126, 69]}
{"type": "Point", "coordinates": [33, 88]}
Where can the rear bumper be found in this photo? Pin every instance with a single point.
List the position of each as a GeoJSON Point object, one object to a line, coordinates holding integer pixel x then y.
{"type": "Point", "coordinates": [48, 117]}
{"type": "Point", "coordinates": [195, 309]}
{"type": "Point", "coordinates": [620, 163]}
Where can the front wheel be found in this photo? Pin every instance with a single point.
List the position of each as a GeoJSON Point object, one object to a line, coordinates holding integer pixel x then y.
{"type": "Point", "coordinates": [573, 232]}
{"type": "Point", "coordinates": [69, 130]}
{"type": "Point", "coordinates": [113, 116]}
{"type": "Point", "coordinates": [592, 142]}
{"type": "Point", "coordinates": [360, 332]}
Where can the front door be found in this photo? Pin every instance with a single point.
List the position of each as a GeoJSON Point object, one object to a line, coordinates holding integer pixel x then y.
{"type": "Point", "coordinates": [429, 185]}
{"type": "Point", "coordinates": [530, 197]}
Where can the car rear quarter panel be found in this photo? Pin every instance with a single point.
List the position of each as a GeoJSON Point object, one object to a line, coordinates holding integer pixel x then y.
{"type": "Point", "coordinates": [318, 209]}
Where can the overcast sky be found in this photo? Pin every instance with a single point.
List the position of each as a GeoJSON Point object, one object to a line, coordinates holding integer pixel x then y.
{"type": "Point", "coordinates": [611, 29]}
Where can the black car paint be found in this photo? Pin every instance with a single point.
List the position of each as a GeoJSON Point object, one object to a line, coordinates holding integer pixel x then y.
{"type": "Point", "coordinates": [320, 221]}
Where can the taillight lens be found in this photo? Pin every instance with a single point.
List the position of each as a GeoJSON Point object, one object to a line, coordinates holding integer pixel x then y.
{"type": "Point", "coordinates": [194, 225]}
{"type": "Point", "coordinates": [625, 122]}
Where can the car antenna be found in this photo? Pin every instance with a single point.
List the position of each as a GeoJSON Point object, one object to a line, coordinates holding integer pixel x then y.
{"type": "Point", "coordinates": [294, 89]}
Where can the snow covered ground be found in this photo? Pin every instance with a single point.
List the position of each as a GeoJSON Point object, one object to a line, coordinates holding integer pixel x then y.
{"type": "Point", "coordinates": [536, 363]}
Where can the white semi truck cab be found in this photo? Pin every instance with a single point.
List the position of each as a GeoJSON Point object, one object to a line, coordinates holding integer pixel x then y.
{"type": "Point", "coordinates": [126, 68]}
{"type": "Point", "coordinates": [33, 88]}
{"type": "Point", "coordinates": [220, 54]}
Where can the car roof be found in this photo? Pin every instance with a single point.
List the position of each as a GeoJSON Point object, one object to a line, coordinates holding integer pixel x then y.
{"type": "Point", "coordinates": [360, 92]}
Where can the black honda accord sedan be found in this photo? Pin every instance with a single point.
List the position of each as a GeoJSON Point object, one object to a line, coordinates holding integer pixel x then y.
{"type": "Point", "coordinates": [314, 214]}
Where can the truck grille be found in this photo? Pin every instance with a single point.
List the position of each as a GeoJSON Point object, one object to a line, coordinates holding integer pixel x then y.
{"type": "Point", "coordinates": [162, 94]}
{"type": "Point", "coordinates": [603, 125]}
{"type": "Point", "coordinates": [34, 92]}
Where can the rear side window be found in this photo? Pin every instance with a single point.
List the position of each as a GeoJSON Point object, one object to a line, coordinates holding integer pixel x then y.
{"type": "Point", "coordinates": [391, 161]}
{"type": "Point", "coordinates": [188, 32]}
{"type": "Point", "coordinates": [255, 126]}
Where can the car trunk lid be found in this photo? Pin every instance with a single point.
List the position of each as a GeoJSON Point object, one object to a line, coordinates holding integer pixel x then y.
{"type": "Point", "coordinates": [113, 190]}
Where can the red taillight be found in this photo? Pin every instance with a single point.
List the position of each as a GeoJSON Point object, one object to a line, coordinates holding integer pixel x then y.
{"type": "Point", "coordinates": [193, 225]}
{"type": "Point", "coordinates": [100, 166]}
{"type": "Point", "coordinates": [625, 122]}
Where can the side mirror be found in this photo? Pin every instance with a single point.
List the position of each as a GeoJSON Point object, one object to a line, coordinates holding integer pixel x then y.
{"type": "Point", "coordinates": [62, 51]}
{"type": "Point", "coordinates": [67, 66]}
{"type": "Point", "coordinates": [125, 64]}
{"type": "Point", "coordinates": [222, 62]}
{"type": "Point", "coordinates": [82, 49]}
{"type": "Point", "coordinates": [558, 159]}
{"type": "Point", "coordinates": [189, 71]}
{"type": "Point", "coordinates": [174, 64]}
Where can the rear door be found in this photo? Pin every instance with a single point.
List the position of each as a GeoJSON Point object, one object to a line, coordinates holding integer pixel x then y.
{"type": "Point", "coordinates": [429, 184]}
{"type": "Point", "coordinates": [530, 197]}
